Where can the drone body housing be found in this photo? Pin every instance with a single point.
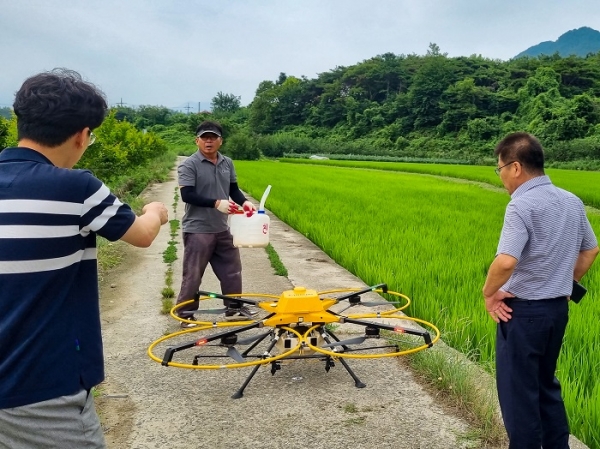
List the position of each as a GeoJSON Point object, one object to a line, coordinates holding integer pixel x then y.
{"type": "Point", "coordinates": [299, 305]}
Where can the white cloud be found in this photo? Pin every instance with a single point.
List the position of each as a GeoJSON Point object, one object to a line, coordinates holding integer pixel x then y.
{"type": "Point", "coordinates": [172, 53]}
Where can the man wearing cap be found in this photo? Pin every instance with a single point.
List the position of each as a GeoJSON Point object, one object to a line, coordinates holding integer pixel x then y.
{"type": "Point", "coordinates": [208, 185]}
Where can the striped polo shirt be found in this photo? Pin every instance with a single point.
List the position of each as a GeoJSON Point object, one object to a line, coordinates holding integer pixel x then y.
{"type": "Point", "coordinates": [50, 341]}
{"type": "Point", "coordinates": [545, 228]}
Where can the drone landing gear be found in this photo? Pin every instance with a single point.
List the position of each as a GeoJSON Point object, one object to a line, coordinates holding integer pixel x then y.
{"type": "Point", "coordinates": [329, 363]}
{"type": "Point", "coordinates": [275, 366]}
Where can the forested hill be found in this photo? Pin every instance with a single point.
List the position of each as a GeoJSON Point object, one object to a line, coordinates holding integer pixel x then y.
{"type": "Point", "coordinates": [408, 107]}
{"type": "Point", "coordinates": [579, 42]}
{"type": "Point", "coordinates": [433, 106]}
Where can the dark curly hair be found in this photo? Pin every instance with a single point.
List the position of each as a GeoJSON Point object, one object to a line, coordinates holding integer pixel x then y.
{"type": "Point", "coordinates": [52, 106]}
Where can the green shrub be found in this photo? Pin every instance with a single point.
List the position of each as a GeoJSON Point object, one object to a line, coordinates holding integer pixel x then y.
{"type": "Point", "coordinates": [241, 146]}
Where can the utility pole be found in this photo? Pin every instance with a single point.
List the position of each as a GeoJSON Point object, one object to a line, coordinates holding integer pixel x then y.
{"type": "Point", "coordinates": [121, 103]}
{"type": "Point", "coordinates": [187, 108]}
{"type": "Point", "coordinates": [199, 107]}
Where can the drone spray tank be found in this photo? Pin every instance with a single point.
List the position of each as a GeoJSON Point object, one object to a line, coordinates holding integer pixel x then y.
{"type": "Point", "coordinates": [253, 231]}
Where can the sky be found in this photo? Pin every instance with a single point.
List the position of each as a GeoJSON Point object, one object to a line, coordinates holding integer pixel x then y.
{"type": "Point", "coordinates": [181, 53]}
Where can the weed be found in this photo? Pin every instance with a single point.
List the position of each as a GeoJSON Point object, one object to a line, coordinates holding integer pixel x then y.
{"type": "Point", "coordinates": [167, 305]}
{"type": "Point", "coordinates": [170, 254]}
{"type": "Point", "coordinates": [355, 421]}
{"type": "Point", "coordinates": [350, 408]}
{"type": "Point", "coordinates": [280, 269]}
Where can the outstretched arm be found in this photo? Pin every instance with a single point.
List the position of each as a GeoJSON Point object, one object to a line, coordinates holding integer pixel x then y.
{"type": "Point", "coordinates": [145, 228]}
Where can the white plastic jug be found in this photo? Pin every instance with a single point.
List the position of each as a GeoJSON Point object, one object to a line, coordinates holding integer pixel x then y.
{"type": "Point", "coordinates": [250, 232]}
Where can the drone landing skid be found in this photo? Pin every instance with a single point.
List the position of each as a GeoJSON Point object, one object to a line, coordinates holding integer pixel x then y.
{"type": "Point", "coordinates": [276, 364]}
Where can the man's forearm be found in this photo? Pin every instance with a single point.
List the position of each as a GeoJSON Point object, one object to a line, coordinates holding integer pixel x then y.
{"type": "Point", "coordinates": [236, 194]}
{"type": "Point", "coordinates": [584, 262]}
{"type": "Point", "coordinates": [499, 273]}
{"type": "Point", "coordinates": [188, 195]}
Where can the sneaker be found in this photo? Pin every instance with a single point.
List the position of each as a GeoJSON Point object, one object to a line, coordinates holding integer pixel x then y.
{"type": "Point", "coordinates": [239, 314]}
{"type": "Point", "coordinates": [185, 325]}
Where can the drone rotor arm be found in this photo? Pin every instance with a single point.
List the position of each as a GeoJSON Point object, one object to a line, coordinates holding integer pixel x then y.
{"type": "Point", "coordinates": [397, 329]}
{"type": "Point", "coordinates": [227, 298]}
{"type": "Point", "coordinates": [383, 288]}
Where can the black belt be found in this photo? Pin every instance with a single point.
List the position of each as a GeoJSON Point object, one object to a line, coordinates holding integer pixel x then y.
{"type": "Point", "coordinates": [563, 298]}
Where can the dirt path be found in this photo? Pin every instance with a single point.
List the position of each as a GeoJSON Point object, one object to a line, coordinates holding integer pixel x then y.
{"type": "Point", "coordinates": [145, 405]}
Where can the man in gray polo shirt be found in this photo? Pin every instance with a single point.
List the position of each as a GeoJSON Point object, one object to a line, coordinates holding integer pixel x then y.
{"type": "Point", "coordinates": [546, 243]}
{"type": "Point", "coordinates": [208, 186]}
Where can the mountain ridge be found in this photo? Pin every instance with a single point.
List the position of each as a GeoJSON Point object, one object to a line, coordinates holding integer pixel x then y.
{"type": "Point", "coordinates": [578, 42]}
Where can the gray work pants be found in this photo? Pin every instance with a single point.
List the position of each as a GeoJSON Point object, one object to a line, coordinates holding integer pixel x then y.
{"type": "Point", "coordinates": [198, 251]}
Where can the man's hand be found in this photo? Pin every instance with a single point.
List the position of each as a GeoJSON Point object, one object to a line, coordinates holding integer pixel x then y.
{"type": "Point", "coordinates": [496, 306]}
{"type": "Point", "coordinates": [157, 208]}
{"type": "Point", "coordinates": [226, 206]}
{"type": "Point", "coordinates": [145, 228]}
{"type": "Point", "coordinates": [249, 208]}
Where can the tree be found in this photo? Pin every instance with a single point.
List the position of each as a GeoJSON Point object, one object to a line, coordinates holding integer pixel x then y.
{"type": "Point", "coordinates": [6, 113]}
{"type": "Point", "coordinates": [3, 132]}
{"type": "Point", "coordinates": [225, 103]}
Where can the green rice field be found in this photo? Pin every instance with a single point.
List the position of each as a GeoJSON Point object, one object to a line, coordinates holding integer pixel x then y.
{"type": "Point", "coordinates": [584, 184]}
{"type": "Point", "coordinates": [433, 239]}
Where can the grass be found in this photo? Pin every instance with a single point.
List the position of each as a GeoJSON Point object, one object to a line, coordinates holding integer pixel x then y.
{"type": "Point", "coordinates": [169, 257]}
{"type": "Point", "coordinates": [170, 254]}
{"type": "Point", "coordinates": [110, 255]}
{"type": "Point", "coordinates": [350, 408]}
{"type": "Point", "coordinates": [462, 385]}
{"type": "Point", "coordinates": [280, 269]}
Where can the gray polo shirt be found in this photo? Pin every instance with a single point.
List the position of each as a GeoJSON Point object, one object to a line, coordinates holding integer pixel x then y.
{"type": "Point", "coordinates": [211, 181]}
{"type": "Point", "coordinates": [545, 228]}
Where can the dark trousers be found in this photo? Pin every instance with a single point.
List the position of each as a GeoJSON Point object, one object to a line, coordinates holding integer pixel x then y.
{"type": "Point", "coordinates": [527, 349]}
{"type": "Point", "coordinates": [198, 251]}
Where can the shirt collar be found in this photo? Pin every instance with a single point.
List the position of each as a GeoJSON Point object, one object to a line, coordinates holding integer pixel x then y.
{"type": "Point", "coordinates": [531, 184]}
{"type": "Point", "coordinates": [23, 154]}
{"type": "Point", "coordinates": [204, 158]}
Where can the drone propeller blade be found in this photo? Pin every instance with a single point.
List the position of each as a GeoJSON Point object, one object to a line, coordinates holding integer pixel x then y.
{"type": "Point", "coordinates": [200, 311]}
{"type": "Point", "coordinates": [350, 341]}
{"type": "Point", "coordinates": [235, 355]}
{"type": "Point", "coordinates": [252, 339]}
{"type": "Point", "coordinates": [373, 303]}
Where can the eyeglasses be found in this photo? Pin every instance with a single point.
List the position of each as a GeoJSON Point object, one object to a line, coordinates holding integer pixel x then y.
{"type": "Point", "coordinates": [208, 137]}
{"type": "Point", "coordinates": [92, 138]}
{"type": "Point", "coordinates": [497, 170]}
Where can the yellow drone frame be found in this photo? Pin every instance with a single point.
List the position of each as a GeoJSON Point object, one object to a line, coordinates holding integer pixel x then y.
{"type": "Point", "coordinates": [300, 318]}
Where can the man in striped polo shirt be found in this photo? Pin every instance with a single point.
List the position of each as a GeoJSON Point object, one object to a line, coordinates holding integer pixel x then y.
{"type": "Point", "coordinates": [545, 244]}
{"type": "Point", "coordinates": [50, 339]}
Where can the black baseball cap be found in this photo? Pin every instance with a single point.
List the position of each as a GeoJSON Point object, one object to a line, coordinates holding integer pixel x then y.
{"type": "Point", "coordinates": [209, 127]}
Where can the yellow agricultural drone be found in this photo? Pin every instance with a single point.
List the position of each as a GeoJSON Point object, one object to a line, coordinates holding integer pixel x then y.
{"type": "Point", "coordinates": [300, 325]}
